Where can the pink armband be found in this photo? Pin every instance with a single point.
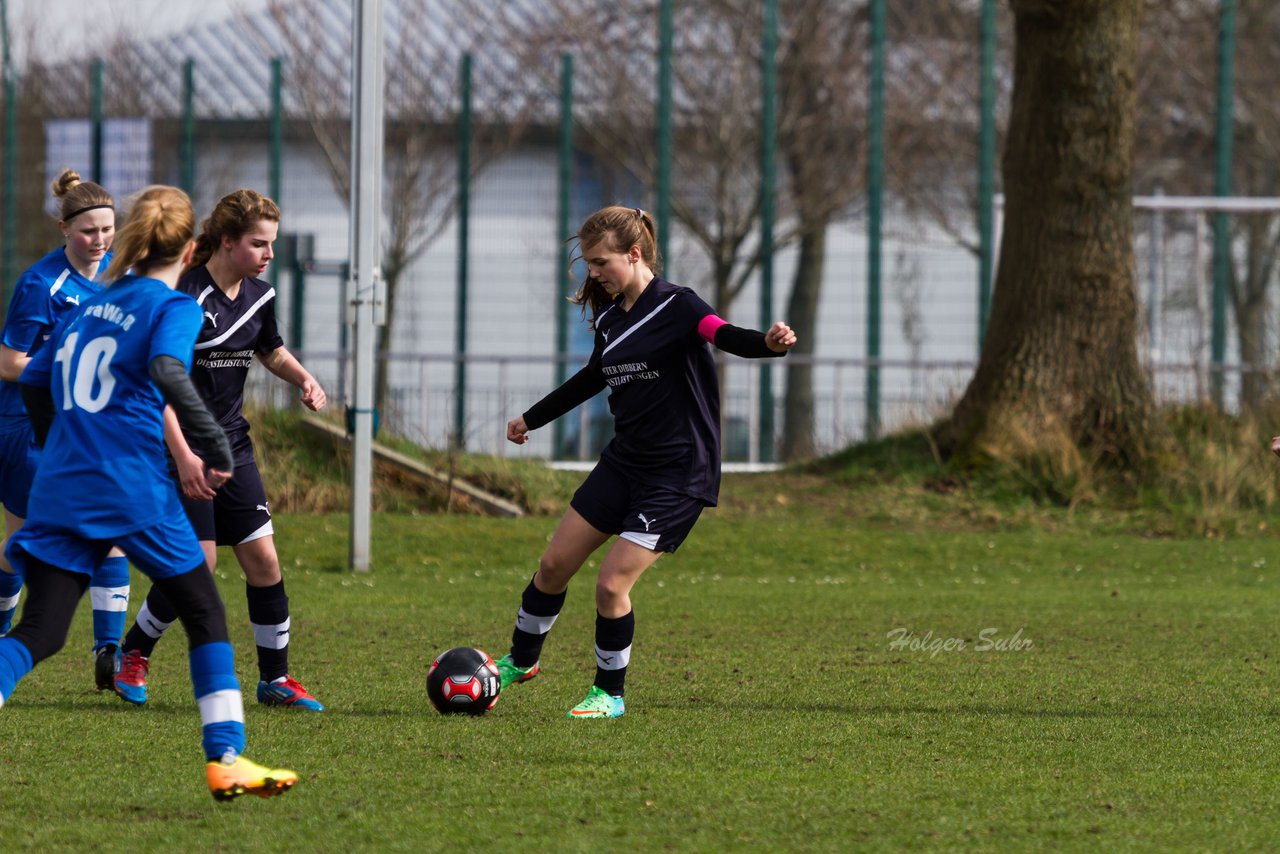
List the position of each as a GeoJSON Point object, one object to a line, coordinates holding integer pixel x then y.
{"type": "Point", "coordinates": [708, 325]}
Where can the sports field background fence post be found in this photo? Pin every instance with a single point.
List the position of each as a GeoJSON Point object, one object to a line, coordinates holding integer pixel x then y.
{"type": "Point", "coordinates": [763, 452]}
{"type": "Point", "coordinates": [9, 200]}
{"type": "Point", "coordinates": [187, 145]}
{"type": "Point", "coordinates": [276, 156]}
{"type": "Point", "coordinates": [464, 217]}
{"type": "Point", "coordinates": [666, 40]}
{"type": "Point", "coordinates": [95, 112]}
{"type": "Point", "coordinates": [1222, 189]}
{"type": "Point", "coordinates": [875, 209]}
{"type": "Point", "coordinates": [986, 167]}
{"type": "Point", "coordinates": [564, 184]}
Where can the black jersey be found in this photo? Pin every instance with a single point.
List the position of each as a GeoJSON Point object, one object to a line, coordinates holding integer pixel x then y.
{"type": "Point", "coordinates": [233, 331]}
{"type": "Point", "coordinates": [663, 391]}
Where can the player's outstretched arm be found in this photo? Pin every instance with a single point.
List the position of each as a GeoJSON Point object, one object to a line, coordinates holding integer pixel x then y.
{"type": "Point", "coordinates": [576, 390]}
{"type": "Point", "coordinates": [747, 343]}
{"type": "Point", "coordinates": [1275, 445]}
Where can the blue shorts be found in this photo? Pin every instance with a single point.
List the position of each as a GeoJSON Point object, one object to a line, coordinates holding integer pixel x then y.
{"type": "Point", "coordinates": [654, 517]}
{"type": "Point", "coordinates": [164, 550]}
{"type": "Point", "coordinates": [18, 458]}
{"type": "Point", "coordinates": [238, 512]}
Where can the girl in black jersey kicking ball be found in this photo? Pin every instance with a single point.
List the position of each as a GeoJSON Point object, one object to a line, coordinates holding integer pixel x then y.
{"type": "Point", "coordinates": [233, 250]}
{"type": "Point", "coordinates": [662, 465]}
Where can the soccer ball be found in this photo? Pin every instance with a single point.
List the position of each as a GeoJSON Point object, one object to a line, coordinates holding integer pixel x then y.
{"type": "Point", "coordinates": [463, 680]}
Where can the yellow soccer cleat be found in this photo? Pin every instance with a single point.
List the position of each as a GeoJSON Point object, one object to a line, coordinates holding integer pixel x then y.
{"type": "Point", "coordinates": [242, 777]}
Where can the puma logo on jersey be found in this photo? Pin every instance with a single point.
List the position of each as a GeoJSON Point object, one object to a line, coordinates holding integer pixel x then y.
{"type": "Point", "coordinates": [647, 521]}
{"type": "Point", "coordinates": [264, 508]}
{"type": "Point", "coordinates": [213, 319]}
{"type": "Point", "coordinates": [605, 336]}
{"type": "Point", "coordinates": [73, 300]}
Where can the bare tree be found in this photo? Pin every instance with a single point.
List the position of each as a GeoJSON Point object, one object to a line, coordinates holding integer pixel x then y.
{"type": "Point", "coordinates": [1059, 367]}
{"type": "Point", "coordinates": [421, 186]}
{"type": "Point", "coordinates": [1178, 107]}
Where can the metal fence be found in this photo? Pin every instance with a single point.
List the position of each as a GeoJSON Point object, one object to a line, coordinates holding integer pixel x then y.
{"type": "Point", "coordinates": [905, 267]}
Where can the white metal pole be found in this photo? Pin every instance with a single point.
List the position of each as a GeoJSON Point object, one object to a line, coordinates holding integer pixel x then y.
{"type": "Point", "coordinates": [366, 219]}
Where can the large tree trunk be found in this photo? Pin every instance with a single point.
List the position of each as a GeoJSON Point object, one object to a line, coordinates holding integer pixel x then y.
{"type": "Point", "coordinates": [802, 313]}
{"type": "Point", "coordinates": [1060, 364]}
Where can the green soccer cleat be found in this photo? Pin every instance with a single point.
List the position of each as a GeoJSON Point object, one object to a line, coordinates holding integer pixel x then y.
{"type": "Point", "coordinates": [509, 674]}
{"type": "Point", "coordinates": [599, 704]}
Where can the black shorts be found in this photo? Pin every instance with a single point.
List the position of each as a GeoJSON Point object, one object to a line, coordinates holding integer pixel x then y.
{"type": "Point", "coordinates": [237, 514]}
{"type": "Point", "coordinates": [654, 517]}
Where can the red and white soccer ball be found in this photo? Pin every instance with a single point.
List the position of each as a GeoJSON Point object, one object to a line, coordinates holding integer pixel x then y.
{"type": "Point", "coordinates": [463, 681]}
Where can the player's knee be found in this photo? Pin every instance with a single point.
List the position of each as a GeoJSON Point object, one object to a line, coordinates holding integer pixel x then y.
{"type": "Point", "coordinates": [554, 572]}
{"type": "Point", "coordinates": [610, 592]}
{"type": "Point", "coordinates": [196, 601]}
{"type": "Point", "coordinates": [262, 573]}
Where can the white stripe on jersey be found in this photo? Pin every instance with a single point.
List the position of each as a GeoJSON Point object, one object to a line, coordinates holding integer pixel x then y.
{"type": "Point", "coordinates": [639, 323]}
{"type": "Point", "coordinates": [57, 283]}
{"type": "Point", "coordinates": [240, 321]}
{"type": "Point", "coordinates": [220, 706]}
{"type": "Point", "coordinates": [204, 293]}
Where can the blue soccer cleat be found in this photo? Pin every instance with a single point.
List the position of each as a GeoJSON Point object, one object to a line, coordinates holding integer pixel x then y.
{"type": "Point", "coordinates": [287, 692]}
{"type": "Point", "coordinates": [130, 679]}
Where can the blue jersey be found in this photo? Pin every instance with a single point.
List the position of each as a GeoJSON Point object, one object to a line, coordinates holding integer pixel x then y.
{"type": "Point", "coordinates": [46, 292]}
{"type": "Point", "coordinates": [103, 473]}
{"type": "Point", "coordinates": [663, 390]}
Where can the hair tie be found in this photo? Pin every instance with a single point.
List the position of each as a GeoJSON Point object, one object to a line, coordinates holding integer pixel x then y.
{"type": "Point", "coordinates": [639, 213]}
{"type": "Point", "coordinates": [75, 214]}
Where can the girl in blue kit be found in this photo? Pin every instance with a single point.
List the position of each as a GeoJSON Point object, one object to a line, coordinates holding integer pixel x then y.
{"type": "Point", "coordinates": [52, 287]}
{"type": "Point", "coordinates": [662, 465]}
{"type": "Point", "coordinates": [96, 395]}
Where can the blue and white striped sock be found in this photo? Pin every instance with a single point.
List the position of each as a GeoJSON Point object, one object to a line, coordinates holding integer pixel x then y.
{"type": "Point", "coordinates": [10, 587]}
{"type": "Point", "coordinates": [15, 662]}
{"type": "Point", "coordinates": [109, 595]}
{"type": "Point", "coordinates": [213, 679]}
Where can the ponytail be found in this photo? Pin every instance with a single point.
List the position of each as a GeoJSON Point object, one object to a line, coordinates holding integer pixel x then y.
{"type": "Point", "coordinates": [155, 233]}
{"type": "Point", "coordinates": [619, 228]}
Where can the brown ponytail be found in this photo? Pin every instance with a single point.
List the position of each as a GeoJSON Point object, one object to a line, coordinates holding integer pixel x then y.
{"type": "Point", "coordinates": [155, 233]}
{"type": "Point", "coordinates": [619, 228]}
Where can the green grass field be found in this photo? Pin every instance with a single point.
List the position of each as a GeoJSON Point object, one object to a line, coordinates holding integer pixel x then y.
{"type": "Point", "coordinates": [767, 707]}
